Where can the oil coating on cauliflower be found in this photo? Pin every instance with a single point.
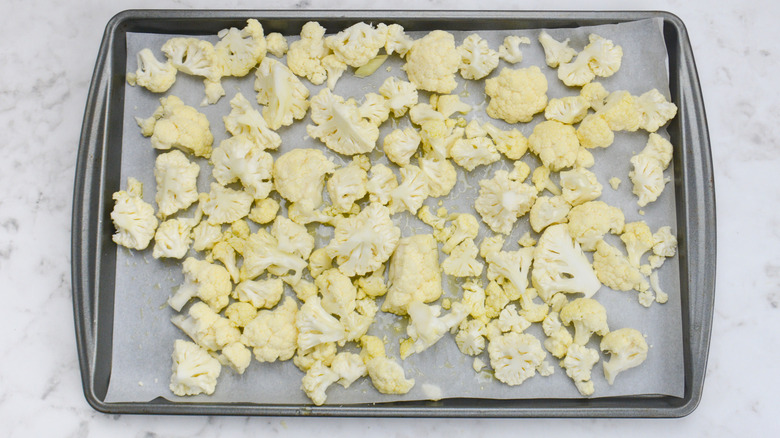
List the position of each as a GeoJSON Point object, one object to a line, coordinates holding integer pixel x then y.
{"type": "Point", "coordinates": [194, 370]}
{"type": "Point", "coordinates": [561, 266]}
{"type": "Point", "coordinates": [152, 74]}
{"type": "Point", "coordinates": [340, 126]}
{"type": "Point", "coordinates": [555, 143]}
{"type": "Point", "coordinates": [502, 201]}
{"type": "Point", "coordinates": [516, 95]}
{"type": "Point", "coordinates": [133, 218]}
{"type": "Point", "coordinates": [432, 61]}
{"type": "Point", "coordinates": [477, 59]}
{"type": "Point", "coordinates": [272, 335]}
{"type": "Point", "coordinates": [414, 273]}
{"type": "Point", "coordinates": [176, 125]}
{"type": "Point", "coordinates": [357, 44]}
{"type": "Point", "coordinates": [516, 357]}
{"type": "Point", "coordinates": [283, 95]}
{"type": "Point", "coordinates": [364, 242]}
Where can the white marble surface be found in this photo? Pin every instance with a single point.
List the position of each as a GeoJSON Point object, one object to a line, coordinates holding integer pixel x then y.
{"type": "Point", "coordinates": [48, 53]}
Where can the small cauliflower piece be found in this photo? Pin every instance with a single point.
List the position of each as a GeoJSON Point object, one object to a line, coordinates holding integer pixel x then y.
{"type": "Point", "coordinates": [225, 205]}
{"type": "Point", "coordinates": [664, 242]}
{"type": "Point", "coordinates": [414, 273]}
{"type": "Point", "coordinates": [462, 261]}
{"type": "Point", "coordinates": [172, 239]}
{"type": "Point", "coordinates": [209, 282]}
{"type": "Point", "coordinates": [464, 227]}
{"type": "Point", "coordinates": [615, 271]}
{"type": "Point", "coordinates": [648, 172]}
{"type": "Point", "coordinates": [261, 294]}
{"type": "Point", "coordinates": [411, 193]}
{"type": "Point", "coordinates": [373, 285]}
{"type": "Point", "coordinates": [620, 112]}
{"type": "Point", "coordinates": [176, 125]}
{"type": "Point", "coordinates": [386, 375]}
{"type": "Point", "coordinates": [304, 57]}
{"type": "Point", "coordinates": [348, 184]}
{"type": "Point", "coordinates": [555, 143]}
{"type": "Point", "coordinates": [594, 132]}
{"type": "Point", "coordinates": [176, 178]}
{"type": "Point", "coordinates": [520, 171]}
{"type": "Point", "coordinates": [599, 58]}
{"type": "Point", "coordinates": [548, 211]}
{"type": "Point", "coordinates": [661, 297]}
{"type": "Point", "coordinates": [510, 51]}
{"type": "Point", "coordinates": [340, 126]}
{"type": "Point", "coordinates": [516, 95]}
{"type": "Point", "coordinates": [264, 211]}
{"type": "Point", "coordinates": [357, 44]}
{"type": "Point", "coordinates": [197, 57]}
{"type": "Point", "coordinates": [316, 326]}
{"type": "Point", "coordinates": [272, 334]}
{"type": "Point", "coordinates": [474, 300]}
{"type": "Point", "coordinates": [276, 44]}
{"type": "Point", "coordinates": [515, 357]}
{"type": "Point", "coordinates": [247, 121]}
{"type": "Point", "coordinates": [262, 253]}
{"type": "Point", "coordinates": [477, 59]}
{"type": "Point", "coordinates": [511, 321]}
{"type": "Point", "coordinates": [595, 94]}
{"type": "Point", "coordinates": [568, 110]}
{"type": "Point", "coordinates": [240, 314]}
{"type": "Point", "coordinates": [426, 327]}
{"type": "Point", "coordinates": [628, 349]}
{"type": "Point", "coordinates": [654, 110]}
{"type": "Point", "coordinates": [236, 356]}
{"type": "Point", "coordinates": [432, 61]}
{"type": "Point", "coordinates": [441, 176]}
{"type": "Point", "coordinates": [471, 337]}
{"type": "Point", "coordinates": [194, 370]}
{"type": "Point", "coordinates": [449, 104]}
{"type": "Point", "coordinates": [541, 180]}
{"type": "Point", "coordinates": [400, 95]}
{"type": "Point", "coordinates": [205, 236]}
{"type": "Point", "coordinates": [292, 238]}
{"type": "Point", "coordinates": [470, 153]}
{"type": "Point", "coordinates": [238, 158]}
{"type": "Point", "coordinates": [305, 359]}
{"type": "Point", "coordinates": [283, 95]}
{"type": "Point", "coordinates": [401, 144]}
{"type": "Point", "coordinates": [638, 240]}
{"type": "Point", "coordinates": [558, 338]}
{"type": "Point", "coordinates": [614, 182]}
{"type": "Point", "coordinates": [358, 322]}
{"type": "Point", "coordinates": [578, 364]}
{"type": "Point", "coordinates": [132, 217]}
{"type": "Point", "coordinates": [555, 52]}
{"type": "Point", "coordinates": [239, 51]}
{"type": "Point", "coordinates": [338, 292]}
{"type": "Point", "coordinates": [381, 184]}
{"type": "Point", "coordinates": [374, 108]}
{"type": "Point", "coordinates": [588, 317]}
{"type": "Point", "coordinates": [579, 186]}
{"type": "Point", "coordinates": [207, 328]}
{"type": "Point", "coordinates": [349, 367]}
{"type": "Point", "coordinates": [512, 266]}
{"type": "Point", "coordinates": [475, 129]}
{"type": "Point", "coordinates": [397, 41]}
{"type": "Point", "coordinates": [502, 201]}
{"type": "Point", "coordinates": [299, 176]}
{"type": "Point", "coordinates": [590, 221]}
{"type": "Point", "coordinates": [362, 243]}
{"type": "Point", "coordinates": [152, 74]}
{"type": "Point", "coordinates": [561, 266]}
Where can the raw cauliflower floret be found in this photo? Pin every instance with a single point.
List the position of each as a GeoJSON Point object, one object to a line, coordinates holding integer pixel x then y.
{"type": "Point", "coordinates": [272, 335]}
{"type": "Point", "coordinates": [348, 184]}
{"type": "Point", "coordinates": [176, 125]}
{"type": "Point", "coordinates": [386, 375]}
{"type": "Point", "coordinates": [658, 148]}
{"type": "Point", "coordinates": [474, 300]}
{"type": "Point", "coordinates": [449, 104]}
{"type": "Point", "coordinates": [541, 180]}
{"type": "Point", "coordinates": [555, 52]}
{"type": "Point", "coordinates": [512, 266]}
{"type": "Point", "coordinates": [240, 313]}
{"type": "Point", "coordinates": [590, 221]}
{"type": "Point", "coordinates": [299, 176]}
{"type": "Point", "coordinates": [261, 253]}
{"type": "Point", "coordinates": [471, 337]}
{"type": "Point", "coordinates": [511, 321]}
{"type": "Point", "coordinates": [509, 51]}
{"type": "Point", "coordinates": [247, 121]}
{"type": "Point", "coordinates": [654, 110]}
{"type": "Point", "coordinates": [620, 111]}
{"type": "Point", "coordinates": [594, 132]}
{"type": "Point", "coordinates": [317, 380]}
{"type": "Point", "coordinates": [599, 58]}
{"type": "Point", "coordinates": [579, 185]}
{"type": "Point", "coordinates": [462, 261]}
{"type": "Point", "coordinates": [362, 243]}
{"type": "Point", "coordinates": [558, 338]}
{"type": "Point", "coordinates": [152, 74]}
{"type": "Point", "coordinates": [236, 356]}
{"type": "Point", "coordinates": [426, 327]}
{"type": "Point", "coordinates": [414, 273]}
{"type": "Point", "coordinates": [475, 129]}
{"type": "Point", "coordinates": [432, 61]}
{"type": "Point", "coordinates": [357, 44]}
{"type": "Point", "coordinates": [470, 153]}
{"type": "Point", "coordinates": [225, 205]}
{"type": "Point", "coordinates": [373, 285]}
{"type": "Point", "coordinates": [194, 370]}
{"type": "Point", "coordinates": [588, 317]}
{"type": "Point", "coordinates": [595, 94]}
{"type": "Point", "coordinates": [397, 41]}
{"type": "Point", "coordinates": [207, 328]}
{"type": "Point", "coordinates": [569, 109]}
{"type": "Point", "coordinates": [497, 297]}
{"type": "Point", "coordinates": [264, 211]}
{"type": "Point", "coordinates": [516, 95]}
{"type": "Point", "coordinates": [502, 201]}
{"type": "Point", "coordinates": [238, 158]}
{"type": "Point", "coordinates": [477, 59]}
{"type": "Point", "coordinates": [638, 240]}
{"type": "Point", "coordinates": [401, 144]}
{"type": "Point", "coordinates": [176, 178]}
{"type": "Point", "coordinates": [239, 51]}
{"type": "Point", "coordinates": [304, 57]}
{"type": "Point", "coordinates": [292, 238]}
{"type": "Point", "coordinates": [374, 108]}
{"type": "Point", "coordinates": [209, 282]}
{"type": "Point", "coordinates": [172, 238]}
{"type": "Point", "coordinates": [664, 242]}
{"type": "Point", "coordinates": [305, 359]}
{"type": "Point", "coordinates": [340, 126]}
{"type": "Point", "coordinates": [316, 326]}
{"type": "Point", "coordinates": [205, 236]}
{"type": "Point", "coordinates": [381, 184]}
{"type": "Point", "coordinates": [615, 271]}
{"type": "Point", "coordinates": [132, 217]}
{"type": "Point", "coordinates": [516, 357]}
{"type": "Point", "coordinates": [520, 172]}
{"type": "Point", "coordinates": [555, 143]}
{"type": "Point", "coordinates": [548, 211]}
{"type": "Point", "coordinates": [261, 294]}
{"type": "Point", "coordinates": [512, 143]}
{"type": "Point", "coordinates": [584, 159]}
{"type": "Point", "coordinates": [441, 176]}
{"type": "Point", "coordinates": [282, 94]}
{"type": "Point", "coordinates": [628, 349]}
{"type": "Point", "coordinates": [197, 57]}
{"type": "Point", "coordinates": [400, 95]}
{"type": "Point", "coordinates": [276, 44]}
{"type": "Point", "coordinates": [464, 227]}
{"type": "Point", "coordinates": [661, 297]}
{"type": "Point", "coordinates": [338, 292]}
{"type": "Point", "coordinates": [349, 367]}
{"type": "Point", "coordinates": [357, 323]}
{"type": "Point", "coordinates": [561, 266]}
{"type": "Point", "coordinates": [411, 193]}
{"type": "Point", "coordinates": [649, 165]}
{"type": "Point", "coordinates": [578, 363]}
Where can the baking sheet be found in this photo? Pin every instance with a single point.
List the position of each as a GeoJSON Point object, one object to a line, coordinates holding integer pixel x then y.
{"type": "Point", "coordinates": [143, 334]}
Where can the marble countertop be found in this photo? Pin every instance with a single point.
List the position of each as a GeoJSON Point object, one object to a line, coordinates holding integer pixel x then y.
{"type": "Point", "coordinates": [48, 56]}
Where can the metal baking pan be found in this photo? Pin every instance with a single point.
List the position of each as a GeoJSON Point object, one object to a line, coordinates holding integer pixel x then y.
{"type": "Point", "coordinates": [97, 177]}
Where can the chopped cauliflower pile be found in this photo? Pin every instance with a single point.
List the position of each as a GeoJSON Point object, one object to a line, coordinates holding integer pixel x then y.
{"type": "Point", "coordinates": [292, 256]}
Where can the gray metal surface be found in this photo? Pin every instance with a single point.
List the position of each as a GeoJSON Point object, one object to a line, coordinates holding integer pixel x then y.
{"type": "Point", "coordinates": [97, 177]}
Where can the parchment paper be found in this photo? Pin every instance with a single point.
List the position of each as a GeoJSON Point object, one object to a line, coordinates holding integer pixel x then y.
{"type": "Point", "coordinates": [143, 335]}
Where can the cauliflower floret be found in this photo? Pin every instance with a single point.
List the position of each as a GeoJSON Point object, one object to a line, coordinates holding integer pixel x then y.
{"type": "Point", "coordinates": [401, 144]}
{"type": "Point", "coordinates": [520, 171]}
{"type": "Point", "coordinates": [247, 121]}
{"type": "Point", "coordinates": [432, 61]}
{"type": "Point", "coordinates": [475, 129]}
{"type": "Point", "coordinates": [638, 240]}
{"type": "Point", "coordinates": [412, 191]}
{"type": "Point", "coordinates": [348, 184]}
{"type": "Point", "coordinates": [555, 143]}
{"type": "Point", "coordinates": [132, 217]}
{"type": "Point", "coordinates": [569, 110]}
{"type": "Point", "coordinates": [373, 285]}
{"type": "Point", "coordinates": [497, 297]}
{"type": "Point", "coordinates": [362, 243]}
{"type": "Point", "coordinates": [590, 221]}
{"type": "Point", "coordinates": [661, 297]}
{"type": "Point", "coordinates": [261, 293]}
{"type": "Point", "coordinates": [205, 236]}
{"type": "Point", "coordinates": [648, 178]}
{"type": "Point", "coordinates": [386, 375]}
{"type": "Point", "coordinates": [338, 292]}
{"type": "Point", "coordinates": [283, 95]}
{"type": "Point", "coordinates": [664, 242]}
{"type": "Point", "coordinates": [305, 359]}
{"type": "Point", "coordinates": [474, 300]}
{"type": "Point", "coordinates": [555, 52]}
{"type": "Point", "coordinates": [209, 282]}
{"type": "Point", "coordinates": [272, 334]}
{"type": "Point", "coordinates": [471, 337]}
{"type": "Point", "coordinates": [152, 74]}
{"type": "Point", "coordinates": [172, 239]}
{"type": "Point", "coordinates": [261, 253]}
{"type": "Point", "coordinates": [502, 201]}
{"type": "Point", "coordinates": [548, 211]}
{"type": "Point", "coordinates": [349, 367]}
{"type": "Point", "coordinates": [621, 112]}
{"type": "Point", "coordinates": [240, 314]}
{"type": "Point", "coordinates": [176, 125]}
{"type": "Point", "coordinates": [509, 51]}
{"type": "Point", "coordinates": [264, 211]}
{"type": "Point", "coordinates": [470, 153]}
{"type": "Point", "coordinates": [449, 104]}
{"type": "Point", "coordinates": [595, 94]}
{"type": "Point", "coordinates": [578, 363]}
{"type": "Point", "coordinates": [511, 321]}
{"type": "Point", "coordinates": [658, 148]}
{"type": "Point", "coordinates": [381, 184]}
{"type": "Point", "coordinates": [579, 186]}
{"type": "Point", "coordinates": [357, 323]}
{"type": "Point", "coordinates": [236, 356]}
{"type": "Point", "coordinates": [441, 176]}
{"type": "Point", "coordinates": [400, 95]}
{"type": "Point", "coordinates": [237, 158]}
{"type": "Point", "coordinates": [516, 357]}
{"type": "Point", "coordinates": [584, 159]}
{"type": "Point", "coordinates": [397, 41]}
{"type": "Point", "coordinates": [614, 269]}
{"type": "Point", "coordinates": [225, 205]}
{"type": "Point", "coordinates": [477, 59]}
{"type": "Point", "coordinates": [558, 338]}
{"type": "Point", "coordinates": [599, 58]}
{"type": "Point", "coordinates": [194, 370]}
{"type": "Point", "coordinates": [561, 266]}
{"type": "Point", "coordinates": [516, 95]}
{"type": "Point", "coordinates": [426, 327]}
{"type": "Point", "coordinates": [594, 132]}
{"type": "Point", "coordinates": [239, 51]}
{"type": "Point", "coordinates": [299, 176]}
{"type": "Point", "coordinates": [176, 180]}
{"type": "Point", "coordinates": [276, 44]}
{"type": "Point", "coordinates": [526, 240]}
{"type": "Point", "coordinates": [197, 57]}
{"type": "Point", "coordinates": [462, 261]}
{"type": "Point", "coordinates": [340, 126]}
{"type": "Point", "coordinates": [541, 180]}
{"type": "Point", "coordinates": [588, 317]}
{"type": "Point", "coordinates": [315, 326]}
{"type": "Point", "coordinates": [628, 349]}
{"type": "Point", "coordinates": [292, 238]}
{"type": "Point", "coordinates": [654, 110]}
{"type": "Point", "coordinates": [357, 44]}
{"type": "Point", "coordinates": [464, 227]}
{"type": "Point", "coordinates": [513, 266]}
{"type": "Point", "coordinates": [414, 273]}
{"type": "Point", "coordinates": [334, 68]}
{"type": "Point", "coordinates": [304, 57]}
{"type": "Point", "coordinates": [207, 328]}
{"type": "Point", "coordinates": [614, 182]}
